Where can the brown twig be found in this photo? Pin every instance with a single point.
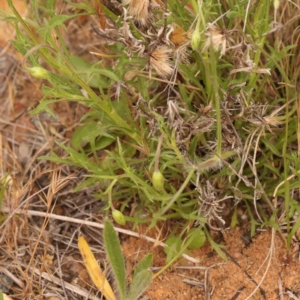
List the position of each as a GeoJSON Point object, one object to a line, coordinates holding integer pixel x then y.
{"type": "Point", "coordinates": [89, 223]}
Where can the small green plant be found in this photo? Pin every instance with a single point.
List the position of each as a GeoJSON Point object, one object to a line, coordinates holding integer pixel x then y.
{"type": "Point", "coordinates": [192, 112]}
{"type": "Point", "coordinates": [175, 244]}
{"type": "Point", "coordinates": [142, 276]}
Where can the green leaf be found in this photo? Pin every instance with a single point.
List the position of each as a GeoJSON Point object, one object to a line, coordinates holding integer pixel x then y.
{"type": "Point", "coordinates": [43, 106]}
{"type": "Point", "coordinates": [272, 147]}
{"type": "Point", "coordinates": [196, 238]}
{"type": "Point", "coordinates": [272, 222]}
{"type": "Point", "coordinates": [292, 233]}
{"type": "Point", "coordinates": [58, 20]}
{"type": "Point", "coordinates": [215, 246]}
{"type": "Point", "coordinates": [115, 257]}
{"type": "Point", "coordinates": [173, 247]}
{"type": "Point", "coordinates": [234, 15]}
{"type": "Point", "coordinates": [139, 284]}
{"type": "Point", "coordinates": [101, 143]}
{"type": "Point", "coordinates": [84, 70]}
{"type": "Point", "coordinates": [234, 219]}
{"type": "Point", "coordinates": [88, 133]}
{"type": "Point", "coordinates": [193, 217]}
{"type": "Point", "coordinates": [94, 74]}
{"type": "Point", "coordinates": [105, 72]}
{"type": "Point", "coordinates": [144, 264]}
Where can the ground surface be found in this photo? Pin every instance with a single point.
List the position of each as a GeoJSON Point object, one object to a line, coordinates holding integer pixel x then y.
{"type": "Point", "coordinates": [39, 257]}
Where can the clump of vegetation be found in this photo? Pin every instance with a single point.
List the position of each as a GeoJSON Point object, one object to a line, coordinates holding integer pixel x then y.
{"type": "Point", "coordinates": [193, 108]}
{"type": "Point", "coordinates": [141, 279]}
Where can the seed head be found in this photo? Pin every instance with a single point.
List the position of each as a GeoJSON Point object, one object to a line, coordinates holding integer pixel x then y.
{"type": "Point", "coordinates": [160, 61]}
{"type": "Point", "coordinates": [179, 37]}
{"type": "Point", "coordinates": [216, 38]}
{"type": "Point", "coordinates": [139, 10]}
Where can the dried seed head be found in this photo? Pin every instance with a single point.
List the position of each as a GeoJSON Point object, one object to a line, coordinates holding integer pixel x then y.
{"type": "Point", "coordinates": [160, 61]}
{"type": "Point", "coordinates": [139, 10]}
{"type": "Point", "coordinates": [272, 121]}
{"type": "Point", "coordinates": [216, 38]}
{"type": "Point", "coordinates": [172, 110]}
{"type": "Point", "coordinates": [182, 54]}
{"type": "Point", "coordinates": [179, 37]}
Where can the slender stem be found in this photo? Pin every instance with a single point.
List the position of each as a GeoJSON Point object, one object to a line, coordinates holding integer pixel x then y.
{"type": "Point", "coordinates": [176, 196]}
{"type": "Point", "coordinates": [216, 98]}
{"type": "Point", "coordinates": [83, 222]}
{"type": "Point", "coordinates": [157, 154]}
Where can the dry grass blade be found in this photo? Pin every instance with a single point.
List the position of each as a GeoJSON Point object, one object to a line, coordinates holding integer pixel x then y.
{"type": "Point", "coordinates": [70, 287]}
{"type": "Point", "coordinates": [92, 224]}
{"type": "Point", "coordinates": [94, 269]}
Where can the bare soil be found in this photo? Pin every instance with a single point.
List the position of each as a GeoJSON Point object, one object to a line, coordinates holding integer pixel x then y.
{"type": "Point", "coordinates": [216, 279]}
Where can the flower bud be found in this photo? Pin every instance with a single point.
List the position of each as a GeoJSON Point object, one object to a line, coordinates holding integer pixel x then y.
{"type": "Point", "coordinates": [118, 217]}
{"type": "Point", "coordinates": [158, 181]}
{"type": "Point", "coordinates": [276, 4]}
{"type": "Point", "coordinates": [196, 38]}
{"type": "Point", "coordinates": [38, 72]}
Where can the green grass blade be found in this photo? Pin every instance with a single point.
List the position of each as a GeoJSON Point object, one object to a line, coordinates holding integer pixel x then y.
{"type": "Point", "coordinates": [139, 284]}
{"type": "Point", "coordinates": [144, 264]}
{"type": "Point", "coordinates": [115, 257]}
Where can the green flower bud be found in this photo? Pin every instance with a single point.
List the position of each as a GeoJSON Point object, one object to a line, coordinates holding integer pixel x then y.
{"type": "Point", "coordinates": [158, 181]}
{"type": "Point", "coordinates": [196, 38]}
{"type": "Point", "coordinates": [118, 217]}
{"type": "Point", "coordinates": [38, 72]}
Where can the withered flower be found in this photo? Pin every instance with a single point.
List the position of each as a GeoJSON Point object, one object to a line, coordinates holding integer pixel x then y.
{"type": "Point", "coordinates": [180, 39]}
{"type": "Point", "coordinates": [139, 10]}
{"type": "Point", "coordinates": [182, 54]}
{"type": "Point", "coordinates": [216, 38]}
{"type": "Point", "coordinates": [160, 61]}
{"type": "Point", "coordinates": [178, 36]}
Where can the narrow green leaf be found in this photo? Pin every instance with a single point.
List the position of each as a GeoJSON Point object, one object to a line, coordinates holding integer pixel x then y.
{"type": "Point", "coordinates": [115, 257]}
{"type": "Point", "coordinates": [43, 106]}
{"type": "Point", "coordinates": [215, 246]}
{"type": "Point", "coordinates": [292, 233]}
{"type": "Point", "coordinates": [139, 284]}
{"type": "Point", "coordinates": [144, 264]}
{"type": "Point", "coordinates": [272, 147]}
{"type": "Point", "coordinates": [107, 73]}
{"type": "Point", "coordinates": [102, 143]}
{"type": "Point", "coordinates": [59, 20]}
